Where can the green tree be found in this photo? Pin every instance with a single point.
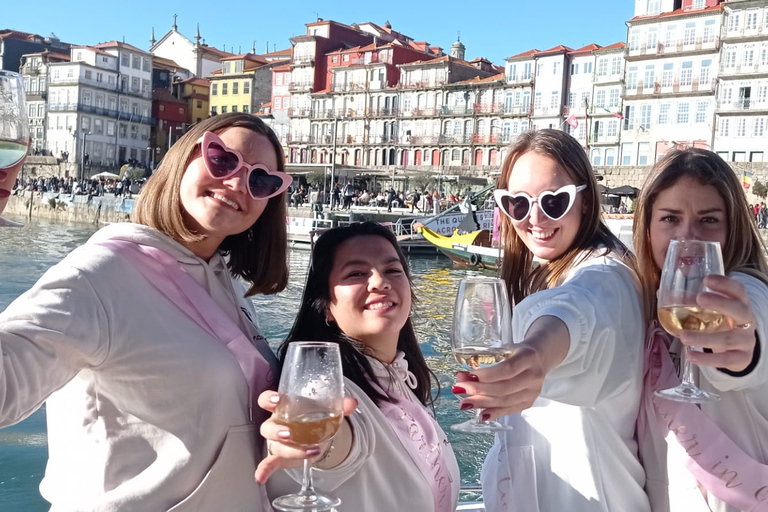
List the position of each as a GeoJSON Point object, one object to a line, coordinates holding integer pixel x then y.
{"type": "Point", "coordinates": [759, 189]}
{"type": "Point", "coordinates": [316, 179]}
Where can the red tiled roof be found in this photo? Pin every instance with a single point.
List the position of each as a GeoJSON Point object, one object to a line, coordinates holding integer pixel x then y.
{"type": "Point", "coordinates": [282, 67]}
{"type": "Point", "coordinates": [215, 51]}
{"type": "Point", "coordinates": [246, 56]}
{"type": "Point", "coordinates": [163, 62]}
{"type": "Point", "coordinates": [679, 12]}
{"type": "Point", "coordinates": [614, 46]}
{"type": "Point", "coordinates": [586, 49]}
{"type": "Point", "coordinates": [278, 53]}
{"type": "Point", "coordinates": [529, 53]}
{"type": "Point", "coordinates": [478, 80]}
{"type": "Point", "coordinates": [554, 50]}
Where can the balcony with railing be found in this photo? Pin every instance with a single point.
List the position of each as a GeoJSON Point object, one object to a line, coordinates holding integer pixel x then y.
{"type": "Point", "coordinates": [300, 87]}
{"type": "Point", "coordinates": [521, 78]}
{"type": "Point", "coordinates": [101, 111]}
{"type": "Point", "coordinates": [422, 84]}
{"type": "Point", "coordinates": [607, 78]}
{"type": "Point", "coordinates": [595, 138]}
{"type": "Point", "coordinates": [322, 113]}
{"type": "Point", "coordinates": [488, 108]}
{"type": "Point", "coordinates": [383, 112]}
{"type": "Point", "coordinates": [742, 69]}
{"type": "Point", "coordinates": [299, 112]}
{"type": "Point", "coordinates": [422, 112]}
{"type": "Point", "coordinates": [348, 87]}
{"type": "Point", "coordinates": [455, 139]}
{"type": "Point", "coordinates": [420, 140]}
{"type": "Point", "coordinates": [742, 104]}
{"type": "Point", "coordinates": [683, 45]}
{"type": "Point", "coordinates": [383, 139]}
{"type": "Point", "coordinates": [516, 110]}
{"type": "Point", "coordinates": [746, 31]}
{"type": "Point", "coordinates": [456, 110]}
{"type": "Point", "coordinates": [298, 138]}
{"type": "Point", "coordinates": [303, 60]}
{"type": "Point", "coordinates": [485, 139]}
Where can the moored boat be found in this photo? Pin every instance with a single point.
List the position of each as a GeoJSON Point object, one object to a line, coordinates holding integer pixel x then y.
{"type": "Point", "coordinates": [471, 249]}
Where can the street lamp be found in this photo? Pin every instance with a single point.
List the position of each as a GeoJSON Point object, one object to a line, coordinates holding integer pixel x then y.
{"type": "Point", "coordinates": [170, 134]}
{"type": "Point", "coordinates": [333, 150]}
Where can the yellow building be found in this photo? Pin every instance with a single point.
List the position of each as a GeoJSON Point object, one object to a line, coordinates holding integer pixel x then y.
{"type": "Point", "coordinates": [195, 92]}
{"type": "Point", "coordinates": [241, 85]}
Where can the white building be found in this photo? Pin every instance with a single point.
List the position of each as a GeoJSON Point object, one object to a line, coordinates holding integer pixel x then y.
{"type": "Point", "coordinates": [34, 69]}
{"type": "Point", "coordinates": [200, 59]}
{"type": "Point", "coordinates": [742, 96]}
{"type": "Point", "coordinates": [671, 74]}
{"type": "Point", "coordinates": [550, 87]}
{"type": "Point", "coordinates": [606, 104]}
{"type": "Point", "coordinates": [99, 104]}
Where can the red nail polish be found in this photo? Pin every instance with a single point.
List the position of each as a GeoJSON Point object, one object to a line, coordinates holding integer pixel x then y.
{"type": "Point", "coordinates": [312, 452]}
{"type": "Point", "coordinates": [473, 377]}
{"type": "Point", "coordinates": [485, 416]}
{"type": "Point", "coordinates": [458, 390]}
{"type": "Point", "coordinates": [465, 406]}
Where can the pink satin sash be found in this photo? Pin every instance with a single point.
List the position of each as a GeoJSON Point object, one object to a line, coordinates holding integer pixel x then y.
{"type": "Point", "coordinates": [416, 430]}
{"type": "Point", "coordinates": [712, 457]}
{"type": "Point", "coordinates": [165, 273]}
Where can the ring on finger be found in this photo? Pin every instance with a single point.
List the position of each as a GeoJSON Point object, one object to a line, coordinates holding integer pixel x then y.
{"type": "Point", "coordinates": [745, 325]}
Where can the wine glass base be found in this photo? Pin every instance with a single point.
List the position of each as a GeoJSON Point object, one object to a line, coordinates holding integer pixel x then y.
{"type": "Point", "coordinates": [312, 502]}
{"type": "Point", "coordinates": [5, 223]}
{"type": "Point", "coordinates": [688, 394]}
{"type": "Point", "coordinates": [480, 427]}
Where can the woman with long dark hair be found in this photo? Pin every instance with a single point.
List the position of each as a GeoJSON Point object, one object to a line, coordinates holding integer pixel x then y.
{"type": "Point", "coordinates": [358, 294]}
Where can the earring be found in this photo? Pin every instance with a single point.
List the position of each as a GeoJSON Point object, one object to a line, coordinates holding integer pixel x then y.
{"type": "Point", "coordinates": [327, 322]}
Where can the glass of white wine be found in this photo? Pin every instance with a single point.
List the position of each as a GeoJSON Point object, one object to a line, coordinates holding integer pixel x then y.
{"type": "Point", "coordinates": [481, 335]}
{"type": "Point", "coordinates": [686, 265]}
{"type": "Point", "coordinates": [311, 406]}
{"type": "Point", "coordinates": [14, 128]}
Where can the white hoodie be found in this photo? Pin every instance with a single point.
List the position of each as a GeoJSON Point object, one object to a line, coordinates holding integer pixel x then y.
{"type": "Point", "coordinates": [146, 411]}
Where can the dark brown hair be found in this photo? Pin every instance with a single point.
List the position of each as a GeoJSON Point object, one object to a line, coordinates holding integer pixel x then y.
{"type": "Point", "coordinates": [310, 324]}
{"type": "Point", "coordinates": [517, 265]}
{"type": "Point", "coordinates": [258, 254]}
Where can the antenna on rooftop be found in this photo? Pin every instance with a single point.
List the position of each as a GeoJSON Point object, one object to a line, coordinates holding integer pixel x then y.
{"type": "Point", "coordinates": [317, 15]}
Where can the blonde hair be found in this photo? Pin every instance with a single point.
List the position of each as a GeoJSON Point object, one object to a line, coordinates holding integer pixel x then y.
{"type": "Point", "coordinates": [259, 254]}
{"type": "Point", "coordinates": [743, 250]}
{"type": "Point", "coordinates": [517, 265]}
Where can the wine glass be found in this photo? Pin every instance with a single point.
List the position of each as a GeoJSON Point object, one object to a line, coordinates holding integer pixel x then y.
{"type": "Point", "coordinates": [311, 406]}
{"type": "Point", "coordinates": [686, 265]}
{"type": "Point", "coordinates": [481, 335]}
{"type": "Point", "coordinates": [14, 127]}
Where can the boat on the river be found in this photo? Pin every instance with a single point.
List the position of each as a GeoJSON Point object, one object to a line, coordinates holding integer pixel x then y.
{"type": "Point", "coordinates": [465, 249]}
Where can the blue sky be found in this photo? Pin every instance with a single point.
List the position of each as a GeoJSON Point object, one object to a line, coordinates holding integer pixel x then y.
{"type": "Point", "coordinates": [494, 30]}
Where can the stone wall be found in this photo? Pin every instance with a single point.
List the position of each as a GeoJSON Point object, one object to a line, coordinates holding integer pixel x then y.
{"type": "Point", "coordinates": [97, 210]}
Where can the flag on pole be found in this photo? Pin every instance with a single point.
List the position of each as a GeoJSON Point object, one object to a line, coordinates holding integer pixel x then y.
{"type": "Point", "coordinates": [573, 121]}
{"type": "Point", "coordinates": [747, 180]}
{"type": "Point", "coordinates": [615, 114]}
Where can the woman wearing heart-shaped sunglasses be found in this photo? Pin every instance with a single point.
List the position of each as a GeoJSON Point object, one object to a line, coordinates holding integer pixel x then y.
{"type": "Point", "coordinates": [143, 344]}
{"type": "Point", "coordinates": [570, 390]}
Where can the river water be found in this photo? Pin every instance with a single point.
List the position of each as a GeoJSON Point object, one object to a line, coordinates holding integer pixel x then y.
{"type": "Point", "coordinates": [27, 252]}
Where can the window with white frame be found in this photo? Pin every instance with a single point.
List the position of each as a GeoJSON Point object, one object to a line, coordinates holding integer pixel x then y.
{"type": "Point", "coordinates": [650, 76]}
{"type": "Point", "coordinates": [670, 35]}
{"type": "Point", "coordinates": [652, 38]}
{"type": "Point", "coordinates": [286, 102]}
{"type": "Point", "coordinates": [582, 131]}
{"type": "Point", "coordinates": [616, 65]}
{"type": "Point", "coordinates": [643, 153]}
{"type": "Point", "coordinates": [278, 79]}
{"type": "Point", "coordinates": [664, 113]}
{"type": "Point", "coordinates": [733, 21]}
{"type": "Point", "coordinates": [554, 100]}
{"type": "Point", "coordinates": [629, 117]}
{"type": "Point", "coordinates": [246, 87]}
{"type": "Point", "coordinates": [626, 153]}
{"type": "Point", "coordinates": [761, 94]}
{"type": "Point", "coordinates": [724, 128]}
{"type": "Point", "coordinates": [587, 67]}
{"type": "Point", "coordinates": [634, 40]}
{"type": "Point", "coordinates": [653, 7]}
{"type": "Point", "coordinates": [612, 128]}
{"type": "Point", "coordinates": [686, 74]}
{"type": "Point", "coordinates": [683, 109]}
{"type": "Point", "coordinates": [235, 87]}
{"type": "Point", "coordinates": [506, 131]}
{"type": "Point", "coordinates": [602, 66]}
{"type": "Point", "coordinates": [572, 99]}
{"type": "Point", "coordinates": [758, 127]}
{"type": "Point", "coordinates": [632, 78]}
{"type": "Point", "coordinates": [764, 53]}
{"type": "Point", "coordinates": [741, 127]}
{"type": "Point", "coordinates": [699, 4]}
{"type": "Point", "coordinates": [556, 68]}
{"type": "Point", "coordinates": [750, 22]}
{"type": "Point", "coordinates": [667, 75]}
{"type": "Point", "coordinates": [613, 97]}
{"type": "Point", "coordinates": [508, 102]}
{"type": "Point", "coordinates": [537, 101]}
{"type": "Point", "coordinates": [748, 57]}
{"type": "Point", "coordinates": [600, 98]}
{"type": "Point", "coordinates": [701, 111]}
{"type": "Point", "coordinates": [704, 73]}
{"type": "Point", "coordinates": [278, 103]}
{"type": "Point", "coordinates": [539, 68]}
{"type": "Point", "coordinates": [730, 58]}
{"type": "Point", "coordinates": [709, 31]}
{"type": "Point", "coordinates": [689, 36]}
{"type": "Point", "coordinates": [645, 117]}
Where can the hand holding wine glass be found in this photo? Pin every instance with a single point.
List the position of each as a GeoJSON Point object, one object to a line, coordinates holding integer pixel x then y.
{"type": "Point", "coordinates": [481, 334]}
{"type": "Point", "coordinates": [687, 264]}
{"type": "Point", "coordinates": [311, 406]}
{"type": "Point", "coordinates": [14, 133]}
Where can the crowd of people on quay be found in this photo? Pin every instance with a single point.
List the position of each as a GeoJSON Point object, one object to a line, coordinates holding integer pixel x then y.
{"type": "Point", "coordinates": [71, 186]}
{"type": "Point", "coordinates": [165, 396]}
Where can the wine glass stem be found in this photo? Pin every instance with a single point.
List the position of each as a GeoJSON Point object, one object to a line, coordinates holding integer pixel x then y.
{"type": "Point", "coordinates": [307, 488]}
{"type": "Point", "coordinates": [478, 414]}
{"type": "Point", "coordinates": [689, 372]}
